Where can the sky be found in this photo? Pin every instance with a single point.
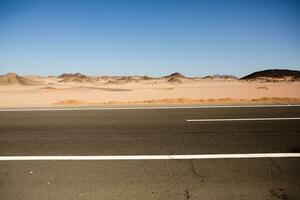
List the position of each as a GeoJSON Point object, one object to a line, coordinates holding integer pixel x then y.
{"type": "Point", "coordinates": [154, 37]}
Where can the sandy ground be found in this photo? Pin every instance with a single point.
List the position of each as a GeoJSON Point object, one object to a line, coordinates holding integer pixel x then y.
{"type": "Point", "coordinates": [56, 94]}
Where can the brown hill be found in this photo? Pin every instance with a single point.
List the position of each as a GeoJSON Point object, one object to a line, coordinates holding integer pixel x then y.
{"type": "Point", "coordinates": [78, 78]}
{"type": "Point", "coordinates": [174, 80]}
{"type": "Point", "coordinates": [175, 75]}
{"type": "Point", "coordinates": [14, 79]}
{"type": "Point", "coordinates": [66, 75]}
{"type": "Point", "coordinates": [274, 75]}
{"type": "Point", "coordinates": [225, 77]}
{"type": "Point", "coordinates": [122, 79]}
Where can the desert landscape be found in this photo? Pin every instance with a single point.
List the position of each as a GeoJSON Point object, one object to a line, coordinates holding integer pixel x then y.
{"type": "Point", "coordinates": [152, 99]}
{"type": "Point", "coordinates": [78, 90]}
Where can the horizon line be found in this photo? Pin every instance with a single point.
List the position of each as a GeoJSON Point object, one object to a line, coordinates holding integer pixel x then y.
{"type": "Point", "coordinates": [155, 76]}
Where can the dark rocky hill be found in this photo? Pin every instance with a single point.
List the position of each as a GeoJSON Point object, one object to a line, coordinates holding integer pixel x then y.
{"type": "Point", "coordinates": [274, 74]}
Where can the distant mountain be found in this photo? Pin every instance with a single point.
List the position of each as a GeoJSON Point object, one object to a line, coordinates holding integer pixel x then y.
{"type": "Point", "coordinates": [274, 74]}
{"type": "Point", "coordinates": [79, 78]}
{"type": "Point", "coordinates": [175, 75]}
{"type": "Point", "coordinates": [68, 75]}
{"type": "Point", "coordinates": [226, 77]}
{"type": "Point", "coordinates": [14, 79]}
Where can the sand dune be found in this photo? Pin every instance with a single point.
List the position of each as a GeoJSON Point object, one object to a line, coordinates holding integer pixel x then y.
{"type": "Point", "coordinates": [273, 75]}
{"type": "Point", "coordinates": [186, 101]}
{"type": "Point", "coordinates": [81, 90]}
{"type": "Point", "coordinates": [70, 102]}
{"type": "Point", "coordinates": [52, 89]}
{"type": "Point", "coordinates": [84, 88]}
{"type": "Point", "coordinates": [14, 79]}
{"type": "Point", "coordinates": [277, 99]}
{"type": "Point", "coordinates": [218, 101]}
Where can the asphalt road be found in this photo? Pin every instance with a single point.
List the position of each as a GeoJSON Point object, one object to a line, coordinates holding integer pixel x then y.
{"type": "Point", "coordinates": [150, 132]}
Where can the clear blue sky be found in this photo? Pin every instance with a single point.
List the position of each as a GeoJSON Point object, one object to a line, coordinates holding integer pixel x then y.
{"type": "Point", "coordinates": [154, 37]}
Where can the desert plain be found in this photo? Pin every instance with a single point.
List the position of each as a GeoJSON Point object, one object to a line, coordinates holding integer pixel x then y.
{"type": "Point", "coordinates": [78, 90]}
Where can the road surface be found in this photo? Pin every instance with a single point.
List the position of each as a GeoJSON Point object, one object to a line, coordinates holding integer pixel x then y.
{"type": "Point", "coordinates": [191, 131]}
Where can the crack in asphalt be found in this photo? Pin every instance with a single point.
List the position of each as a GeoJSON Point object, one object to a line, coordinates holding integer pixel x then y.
{"type": "Point", "coordinates": [279, 170]}
{"type": "Point", "coordinates": [187, 194]}
{"type": "Point", "coordinates": [279, 193]}
{"type": "Point", "coordinates": [196, 173]}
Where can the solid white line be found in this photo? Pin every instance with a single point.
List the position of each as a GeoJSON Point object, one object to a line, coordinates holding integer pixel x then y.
{"type": "Point", "coordinates": [141, 108]}
{"type": "Point", "coordinates": [243, 119]}
{"type": "Point", "coordinates": [151, 157]}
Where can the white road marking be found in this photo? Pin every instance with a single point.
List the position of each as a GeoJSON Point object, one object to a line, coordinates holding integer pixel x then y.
{"type": "Point", "coordinates": [141, 108]}
{"type": "Point", "coordinates": [243, 119]}
{"type": "Point", "coordinates": [151, 157]}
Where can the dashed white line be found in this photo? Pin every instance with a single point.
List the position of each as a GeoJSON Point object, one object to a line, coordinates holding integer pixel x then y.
{"type": "Point", "coordinates": [150, 157]}
{"type": "Point", "coordinates": [244, 119]}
